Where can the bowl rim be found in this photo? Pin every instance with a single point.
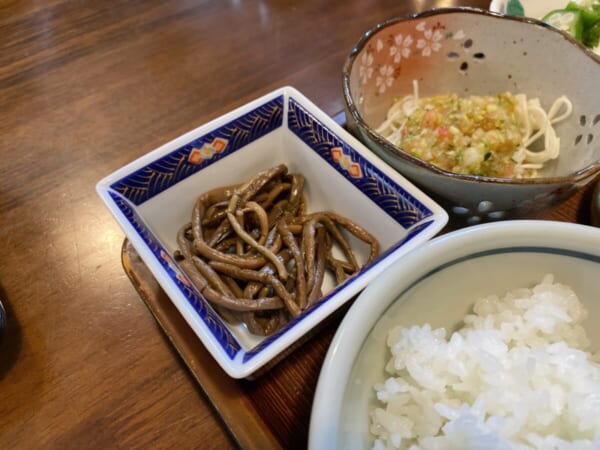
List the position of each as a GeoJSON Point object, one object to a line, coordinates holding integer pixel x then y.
{"type": "Point", "coordinates": [358, 322]}
{"type": "Point", "coordinates": [574, 177]}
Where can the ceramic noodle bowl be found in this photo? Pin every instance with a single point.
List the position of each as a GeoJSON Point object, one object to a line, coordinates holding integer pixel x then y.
{"type": "Point", "coordinates": [473, 52]}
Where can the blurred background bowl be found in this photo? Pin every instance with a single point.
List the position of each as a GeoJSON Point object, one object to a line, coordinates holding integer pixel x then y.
{"type": "Point", "coordinates": [474, 52]}
{"type": "Point", "coordinates": [487, 259]}
{"type": "Point", "coordinates": [531, 8]}
{"type": "Point", "coordinates": [537, 9]}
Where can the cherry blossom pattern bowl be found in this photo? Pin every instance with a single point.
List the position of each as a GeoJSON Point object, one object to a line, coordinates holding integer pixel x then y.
{"type": "Point", "coordinates": [475, 52]}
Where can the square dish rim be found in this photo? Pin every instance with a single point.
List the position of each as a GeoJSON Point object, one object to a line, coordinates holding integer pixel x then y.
{"type": "Point", "coordinates": [243, 363]}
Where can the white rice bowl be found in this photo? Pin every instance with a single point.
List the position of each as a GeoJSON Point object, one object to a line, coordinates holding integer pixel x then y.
{"type": "Point", "coordinates": [516, 375]}
{"type": "Point", "coordinates": [519, 374]}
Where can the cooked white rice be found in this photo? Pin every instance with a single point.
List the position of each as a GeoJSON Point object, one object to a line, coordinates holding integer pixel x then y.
{"type": "Point", "coordinates": [516, 376]}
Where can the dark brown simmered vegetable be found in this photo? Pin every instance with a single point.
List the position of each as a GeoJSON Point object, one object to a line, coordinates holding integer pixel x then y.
{"type": "Point", "coordinates": [255, 254]}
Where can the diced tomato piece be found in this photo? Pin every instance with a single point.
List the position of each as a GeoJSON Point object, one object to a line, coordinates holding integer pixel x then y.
{"type": "Point", "coordinates": [443, 133]}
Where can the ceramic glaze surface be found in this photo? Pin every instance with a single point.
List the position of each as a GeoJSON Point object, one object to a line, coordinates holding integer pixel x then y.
{"type": "Point", "coordinates": [438, 284]}
{"type": "Point", "coordinates": [193, 156]}
{"type": "Point", "coordinates": [153, 197]}
{"type": "Point", "coordinates": [471, 52]}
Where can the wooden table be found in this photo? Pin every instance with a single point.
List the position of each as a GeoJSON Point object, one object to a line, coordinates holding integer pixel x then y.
{"type": "Point", "coordinates": [85, 87]}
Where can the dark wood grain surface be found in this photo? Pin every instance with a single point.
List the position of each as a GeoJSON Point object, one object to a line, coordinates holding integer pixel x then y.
{"type": "Point", "coordinates": [85, 87]}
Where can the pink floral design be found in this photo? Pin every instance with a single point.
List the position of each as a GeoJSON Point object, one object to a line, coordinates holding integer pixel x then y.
{"type": "Point", "coordinates": [380, 63]}
{"type": "Point", "coordinates": [431, 40]}
{"type": "Point", "coordinates": [366, 67]}
{"type": "Point", "coordinates": [385, 78]}
{"type": "Point", "coordinates": [401, 47]}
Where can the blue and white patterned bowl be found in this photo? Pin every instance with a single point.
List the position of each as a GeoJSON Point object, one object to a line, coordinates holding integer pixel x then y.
{"type": "Point", "coordinates": [152, 197]}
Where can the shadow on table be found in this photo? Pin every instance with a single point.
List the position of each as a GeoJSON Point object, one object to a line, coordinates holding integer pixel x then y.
{"type": "Point", "coordinates": [10, 339]}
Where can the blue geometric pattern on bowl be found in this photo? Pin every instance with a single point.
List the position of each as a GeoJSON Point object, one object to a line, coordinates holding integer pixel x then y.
{"type": "Point", "coordinates": [206, 313]}
{"type": "Point", "coordinates": [398, 203]}
{"type": "Point", "coordinates": [194, 156]}
{"type": "Point", "coordinates": [159, 175]}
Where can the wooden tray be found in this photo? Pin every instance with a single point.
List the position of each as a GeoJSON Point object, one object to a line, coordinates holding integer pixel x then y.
{"type": "Point", "coordinates": [273, 410]}
{"type": "Point", "coordinates": [270, 412]}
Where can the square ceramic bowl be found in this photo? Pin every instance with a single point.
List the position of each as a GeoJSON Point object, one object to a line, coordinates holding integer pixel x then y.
{"type": "Point", "coordinates": [152, 197]}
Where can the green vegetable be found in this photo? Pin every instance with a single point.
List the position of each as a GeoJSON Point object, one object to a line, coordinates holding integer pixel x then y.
{"type": "Point", "coordinates": [515, 8]}
{"type": "Point", "coordinates": [591, 36]}
{"type": "Point", "coordinates": [580, 19]}
{"type": "Point", "coordinates": [568, 21]}
{"type": "Point", "coordinates": [588, 15]}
